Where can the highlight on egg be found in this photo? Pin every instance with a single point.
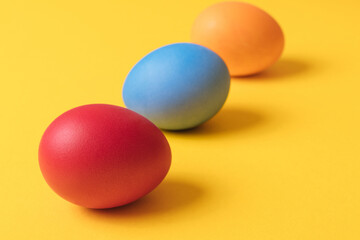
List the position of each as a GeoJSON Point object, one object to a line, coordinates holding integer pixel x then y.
{"type": "Point", "coordinates": [178, 86]}
{"type": "Point", "coordinates": [245, 36]}
{"type": "Point", "coordinates": [103, 156]}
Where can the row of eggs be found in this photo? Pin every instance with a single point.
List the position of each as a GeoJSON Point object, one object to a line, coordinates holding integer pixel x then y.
{"type": "Point", "coordinates": [103, 156]}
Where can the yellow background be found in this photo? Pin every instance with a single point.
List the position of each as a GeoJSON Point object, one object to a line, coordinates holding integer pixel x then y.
{"type": "Point", "coordinates": [280, 161]}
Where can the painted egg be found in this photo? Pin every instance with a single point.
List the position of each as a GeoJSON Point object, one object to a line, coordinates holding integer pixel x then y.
{"type": "Point", "coordinates": [103, 156]}
{"type": "Point", "coordinates": [246, 37]}
{"type": "Point", "coordinates": [178, 86]}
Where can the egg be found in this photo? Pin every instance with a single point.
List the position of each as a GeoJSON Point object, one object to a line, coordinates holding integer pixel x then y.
{"type": "Point", "coordinates": [246, 37]}
{"type": "Point", "coordinates": [178, 86]}
{"type": "Point", "coordinates": [103, 156]}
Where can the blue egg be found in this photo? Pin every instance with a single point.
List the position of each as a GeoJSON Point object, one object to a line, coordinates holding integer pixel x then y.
{"type": "Point", "coordinates": [178, 86]}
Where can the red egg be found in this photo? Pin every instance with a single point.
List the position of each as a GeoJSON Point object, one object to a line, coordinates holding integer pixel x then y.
{"type": "Point", "coordinates": [103, 156]}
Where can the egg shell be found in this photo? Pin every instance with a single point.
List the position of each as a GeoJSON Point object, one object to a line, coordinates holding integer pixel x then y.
{"type": "Point", "coordinates": [246, 37]}
{"type": "Point", "coordinates": [178, 86]}
{"type": "Point", "coordinates": [103, 156]}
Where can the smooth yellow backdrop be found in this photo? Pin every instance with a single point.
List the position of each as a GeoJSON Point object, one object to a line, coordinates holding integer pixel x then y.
{"type": "Point", "coordinates": [280, 161]}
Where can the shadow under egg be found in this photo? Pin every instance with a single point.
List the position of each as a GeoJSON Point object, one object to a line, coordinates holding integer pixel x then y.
{"type": "Point", "coordinates": [171, 195]}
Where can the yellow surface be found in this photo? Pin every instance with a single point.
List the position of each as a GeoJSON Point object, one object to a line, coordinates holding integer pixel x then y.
{"type": "Point", "coordinates": [280, 161]}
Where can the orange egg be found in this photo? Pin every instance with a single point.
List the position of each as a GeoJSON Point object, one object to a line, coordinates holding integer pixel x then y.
{"type": "Point", "coordinates": [247, 38]}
